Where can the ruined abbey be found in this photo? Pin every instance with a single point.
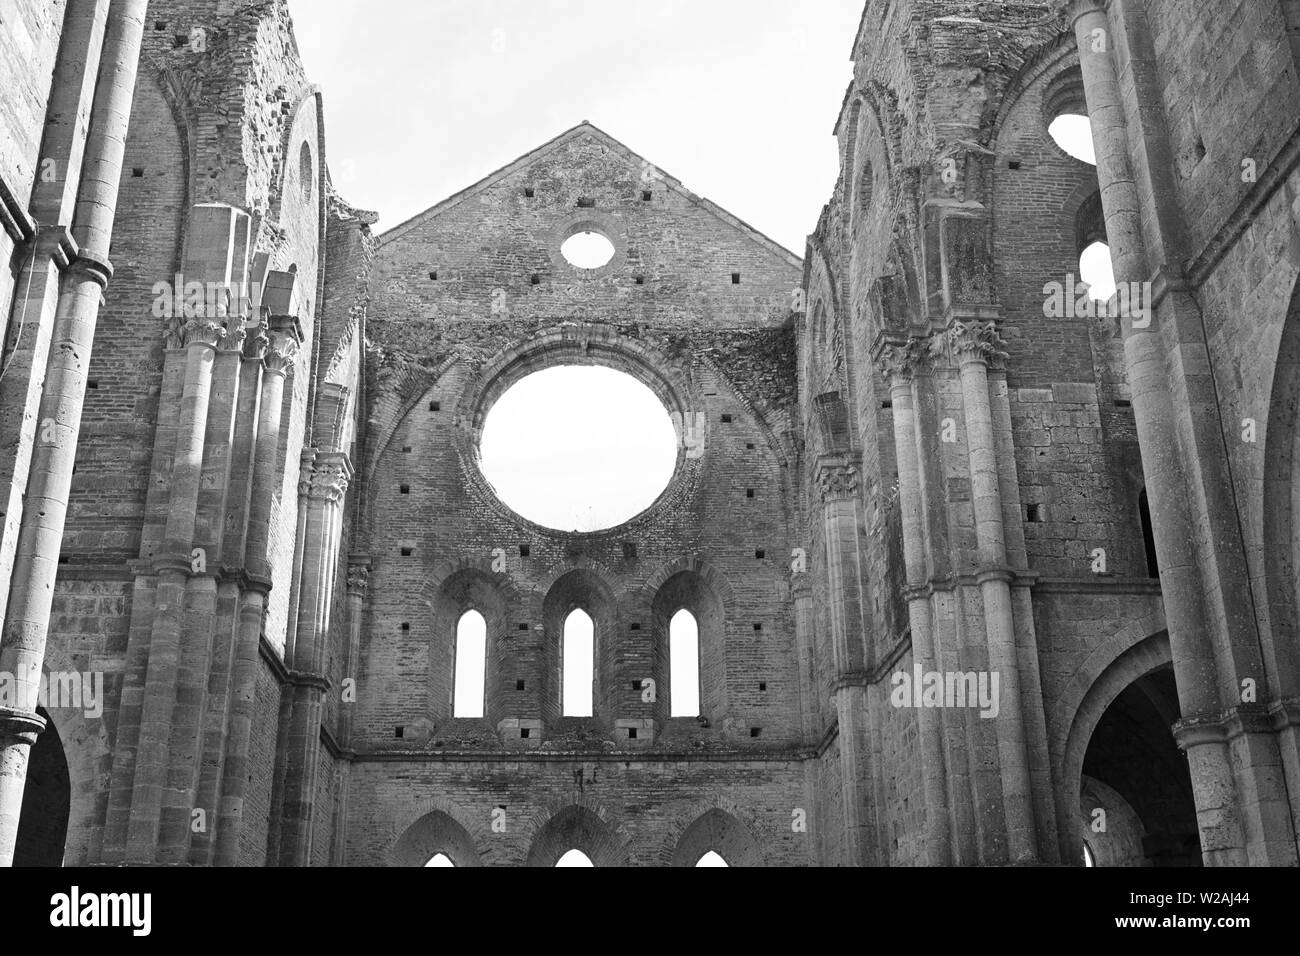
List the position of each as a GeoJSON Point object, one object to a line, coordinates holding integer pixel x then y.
{"type": "Point", "coordinates": [983, 572]}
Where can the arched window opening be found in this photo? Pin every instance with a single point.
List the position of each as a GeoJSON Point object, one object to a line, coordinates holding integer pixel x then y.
{"type": "Point", "coordinates": [712, 858]}
{"type": "Point", "coordinates": [1148, 535]}
{"type": "Point", "coordinates": [578, 652]}
{"type": "Point", "coordinates": [305, 171]}
{"type": "Point", "coordinates": [1095, 269]}
{"type": "Point", "coordinates": [684, 665]}
{"type": "Point", "coordinates": [471, 665]}
{"type": "Point", "coordinates": [440, 859]}
{"type": "Point", "coordinates": [1073, 133]}
{"type": "Point", "coordinates": [574, 858]}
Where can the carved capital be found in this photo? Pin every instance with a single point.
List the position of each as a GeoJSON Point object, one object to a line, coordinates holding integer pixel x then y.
{"type": "Point", "coordinates": [232, 339]}
{"type": "Point", "coordinates": [358, 579]}
{"type": "Point", "coordinates": [974, 342]}
{"type": "Point", "coordinates": [202, 331]}
{"type": "Point", "coordinates": [900, 362]}
{"type": "Point", "coordinates": [281, 352]}
{"type": "Point", "coordinates": [256, 344]}
{"type": "Point", "coordinates": [837, 479]}
{"type": "Point", "coordinates": [330, 477]}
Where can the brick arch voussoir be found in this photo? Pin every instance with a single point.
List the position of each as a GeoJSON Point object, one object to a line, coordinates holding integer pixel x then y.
{"type": "Point", "coordinates": [448, 568]}
{"type": "Point", "coordinates": [694, 823]}
{"type": "Point", "coordinates": [715, 580]}
{"type": "Point", "coordinates": [474, 829]}
{"type": "Point", "coordinates": [546, 843]}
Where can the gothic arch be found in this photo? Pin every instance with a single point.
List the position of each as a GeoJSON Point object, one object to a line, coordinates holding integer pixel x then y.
{"type": "Point", "coordinates": [688, 589]}
{"type": "Point", "coordinates": [722, 832]}
{"type": "Point", "coordinates": [457, 588]}
{"type": "Point", "coordinates": [577, 826]}
{"type": "Point", "coordinates": [440, 827]}
{"type": "Point", "coordinates": [583, 588]}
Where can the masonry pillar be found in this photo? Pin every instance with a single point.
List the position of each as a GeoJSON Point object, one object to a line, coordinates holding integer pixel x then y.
{"type": "Point", "coordinates": [974, 344]}
{"type": "Point", "coordinates": [308, 683]}
{"type": "Point", "coordinates": [837, 479]}
{"type": "Point", "coordinates": [1221, 817]}
{"type": "Point", "coordinates": [899, 362]}
{"type": "Point", "coordinates": [281, 349]}
{"type": "Point", "coordinates": [22, 641]}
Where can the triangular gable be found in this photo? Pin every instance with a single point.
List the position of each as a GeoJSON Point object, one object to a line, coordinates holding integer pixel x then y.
{"type": "Point", "coordinates": [633, 159]}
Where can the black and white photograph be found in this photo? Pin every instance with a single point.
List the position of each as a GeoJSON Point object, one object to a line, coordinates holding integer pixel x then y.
{"type": "Point", "coordinates": [837, 434]}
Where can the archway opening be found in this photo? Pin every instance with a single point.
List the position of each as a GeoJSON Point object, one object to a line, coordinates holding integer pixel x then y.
{"type": "Point", "coordinates": [684, 665]}
{"type": "Point", "coordinates": [1096, 269]}
{"type": "Point", "coordinates": [578, 649]}
{"type": "Point", "coordinates": [1073, 133]}
{"type": "Point", "coordinates": [47, 802]}
{"type": "Point", "coordinates": [712, 858]}
{"type": "Point", "coordinates": [1136, 796]}
{"type": "Point", "coordinates": [471, 665]}
{"type": "Point", "coordinates": [578, 447]}
{"type": "Point", "coordinates": [574, 858]}
{"type": "Point", "coordinates": [440, 859]}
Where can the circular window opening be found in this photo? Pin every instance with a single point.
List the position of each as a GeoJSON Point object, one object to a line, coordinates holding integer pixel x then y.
{"type": "Point", "coordinates": [587, 250]}
{"type": "Point", "coordinates": [1073, 133]}
{"type": "Point", "coordinates": [578, 447]}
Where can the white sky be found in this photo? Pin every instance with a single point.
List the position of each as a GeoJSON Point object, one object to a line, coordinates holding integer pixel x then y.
{"type": "Point", "coordinates": [737, 98]}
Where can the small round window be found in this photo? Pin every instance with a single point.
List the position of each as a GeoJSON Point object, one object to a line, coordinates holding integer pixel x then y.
{"type": "Point", "coordinates": [587, 250]}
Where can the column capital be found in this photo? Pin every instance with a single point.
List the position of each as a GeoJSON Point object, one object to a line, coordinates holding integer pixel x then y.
{"type": "Point", "coordinates": [900, 361]}
{"type": "Point", "coordinates": [281, 351]}
{"type": "Point", "coordinates": [358, 579]}
{"type": "Point", "coordinates": [200, 330]}
{"type": "Point", "coordinates": [330, 475]}
{"type": "Point", "coordinates": [968, 342]}
{"type": "Point", "coordinates": [837, 478]}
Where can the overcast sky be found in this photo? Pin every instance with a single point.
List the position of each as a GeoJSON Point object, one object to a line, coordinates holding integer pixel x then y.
{"type": "Point", "coordinates": [737, 98]}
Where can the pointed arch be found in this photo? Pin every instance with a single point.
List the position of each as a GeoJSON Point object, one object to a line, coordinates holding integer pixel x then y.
{"type": "Point", "coordinates": [577, 827]}
{"type": "Point", "coordinates": [721, 831]}
{"type": "Point", "coordinates": [437, 831]}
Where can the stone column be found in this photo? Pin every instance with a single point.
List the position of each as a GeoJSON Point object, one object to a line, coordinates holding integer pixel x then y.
{"type": "Point", "coordinates": [974, 344]}
{"type": "Point", "coordinates": [280, 354]}
{"type": "Point", "coordinates": [899, 362]}
{"type": "Point", "coordinates": [308, 683]}
{"type": "Point", "coordinates": [173, 566]}
{"type": "Point", "coordinates": [1223, 837]}
{"type": "Point", "coordinates": [801, 592]}
{"type": "Point", "coordinates": [358, 580]}
{"type": "Point", "coordinates": [837, 479]}
{"type": "Point", "coordinates": [31, 595]}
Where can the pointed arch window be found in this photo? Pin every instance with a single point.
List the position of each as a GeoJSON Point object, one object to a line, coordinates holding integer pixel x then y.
{"type": "Point", "coordinates": [440, 859]}
{"type": "Point", "coordinates": [712, 858]}
{"type": "Point", "coordinates": [471, 665]}
{"type": "Point", "coordinates": [684, 665]}
{"type": "Point", "coordinates": [578, 654]}
{"type": "Point", "coordinates": [574, 857]}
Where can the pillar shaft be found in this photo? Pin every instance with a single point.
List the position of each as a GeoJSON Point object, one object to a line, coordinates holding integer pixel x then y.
{"type": "Point", "coordinates": [898, 364]}
{"type": "Point", "coordinates": [1221, 832]}
{"type": "Point", "coordinates": [22, 641]}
